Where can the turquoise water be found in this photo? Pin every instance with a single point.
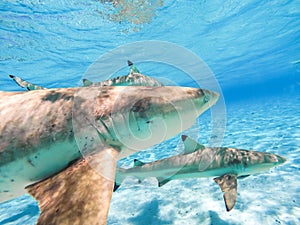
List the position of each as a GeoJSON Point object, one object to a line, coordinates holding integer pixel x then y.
{"type": "Point", "coordinates": [252, 49]}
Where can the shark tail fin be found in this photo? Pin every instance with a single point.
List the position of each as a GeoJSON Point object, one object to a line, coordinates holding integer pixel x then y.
{"type": "Point", "coordinates": [190, 145]}
{"type": "Point", "coordinates": [120, 177]}
{"type": "Point", "coordinates": [25, 84]}
{"type": "Point", "coordinates": [228, 185]}
{"type": "Point", "coordinates": [78, 194]}
{"type": "Point", "coordinates": [116, 186]}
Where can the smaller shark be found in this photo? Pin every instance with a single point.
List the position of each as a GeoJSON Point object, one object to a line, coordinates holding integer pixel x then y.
{"type": "Point", "coordinates": [225, 164]}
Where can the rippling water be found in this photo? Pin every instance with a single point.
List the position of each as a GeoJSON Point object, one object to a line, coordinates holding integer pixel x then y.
{"type": "Point", "coordinates": [244, 43]}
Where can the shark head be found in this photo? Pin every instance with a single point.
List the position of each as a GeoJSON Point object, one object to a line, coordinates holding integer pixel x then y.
{"type": "Point", "coordinates": [241, 162]}
{"type": "Point", "coordinates": [258, 162]}
{"type": "Point", "coordinates": [140, 117]}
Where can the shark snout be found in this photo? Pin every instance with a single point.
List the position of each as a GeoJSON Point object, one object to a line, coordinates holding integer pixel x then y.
{"type": "Point", "coordinates": [212, 96]}
{"type": "Point", "coordinates": [280, 159]}
{"type": "Point", "coordinates": [205, 99]}
{"type": "Point", "coordinates": [274, 159]}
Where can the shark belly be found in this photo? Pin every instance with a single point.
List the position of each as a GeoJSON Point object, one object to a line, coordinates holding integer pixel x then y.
{"type": "Point", "coordinates": [180, 172]}
{"type": "Point", "coordinates": [36, 138]}
{"type": "Point", "coordinates": [18, 174]}
{"type": "Point", "coordinates": [207, 173]}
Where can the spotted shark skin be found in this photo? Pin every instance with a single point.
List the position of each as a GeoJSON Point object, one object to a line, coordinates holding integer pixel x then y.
{"type": "Point", "coordinates": [39, 152]}
{"type": "Point", "coordinates": [225, 164]}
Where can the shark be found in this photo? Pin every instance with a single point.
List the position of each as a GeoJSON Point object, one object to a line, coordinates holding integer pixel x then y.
{"type": "Point", "coordinates": [44, 133]}
{"type": "Point", "coordinates": [223, 163]}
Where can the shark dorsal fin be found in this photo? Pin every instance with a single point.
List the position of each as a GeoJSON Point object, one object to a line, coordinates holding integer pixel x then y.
{"type": "Point", "coordinates": [228, 184]}
{"type": "Point", "coordinates": [137, 162]}
{"type": "Point", "coordinates": [133, 68]}
{"type": "Point", "coordinates": [86, 82]}
{"type": "Point", "coordinates": [190, 145]}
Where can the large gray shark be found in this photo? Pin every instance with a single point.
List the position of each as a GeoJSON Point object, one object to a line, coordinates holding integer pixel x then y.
{"type": "Point", "coordinates": [40, 132]}
{"type": "Point", "coordinates": [226, 164]}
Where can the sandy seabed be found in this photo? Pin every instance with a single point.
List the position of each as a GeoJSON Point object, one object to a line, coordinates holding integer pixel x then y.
{"type": "Point", "coordinates": [268, 125]}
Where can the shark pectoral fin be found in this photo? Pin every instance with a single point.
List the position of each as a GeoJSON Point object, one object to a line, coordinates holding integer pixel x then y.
{"type": "Point", "coordinates": [80, 194]}
{"type": "Point", "coordinates": [228, 184]}
{"type": "Point", "coordinates": [137, 162]}
{"type": "Point", "coordinates": [162, 181]}
{"type": "Point", "coordinates": [190, 145]}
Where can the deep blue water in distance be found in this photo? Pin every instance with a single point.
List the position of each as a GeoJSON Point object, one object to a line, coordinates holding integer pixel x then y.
{"type": "Point", "coordinates": [252, 48]}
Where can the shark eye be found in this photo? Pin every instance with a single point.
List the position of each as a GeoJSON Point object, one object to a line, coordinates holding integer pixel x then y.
{"type": "Point", "coordinates": [205, 99]}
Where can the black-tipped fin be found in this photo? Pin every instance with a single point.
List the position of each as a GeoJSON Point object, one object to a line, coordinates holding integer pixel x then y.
{"type": "Point", "coordinates": [116, 186]}
{"type": "Point", "coordinates": [243, 177]}
{"type": "Point", "coordinates": [190, 145]}
{"type": "Point", "coordinates": [228, 185]}
{"type": "Point", "coordinates": [162, 181]}
{"type": "Point", "coordinates": [25, 84]}
{"type": "Point", "coordinates": [129, 63]}
{"type": "Point", "coordinates": [137, 162]}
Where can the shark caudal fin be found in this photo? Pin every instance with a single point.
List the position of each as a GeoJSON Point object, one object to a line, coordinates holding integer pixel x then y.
{"type": "Point", "coordinates": [25, 84]}
{"type": "Point", "coordinates": [228, 185]}
{"type": "Point", "coordinates": [79, 194]}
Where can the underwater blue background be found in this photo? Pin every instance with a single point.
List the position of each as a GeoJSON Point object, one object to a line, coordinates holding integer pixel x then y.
{"type": "Point", "coordinates": [252, 48]}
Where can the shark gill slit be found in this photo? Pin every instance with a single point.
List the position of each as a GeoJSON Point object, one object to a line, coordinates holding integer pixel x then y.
{"type": "Point", "coordinates": [102, 135]}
